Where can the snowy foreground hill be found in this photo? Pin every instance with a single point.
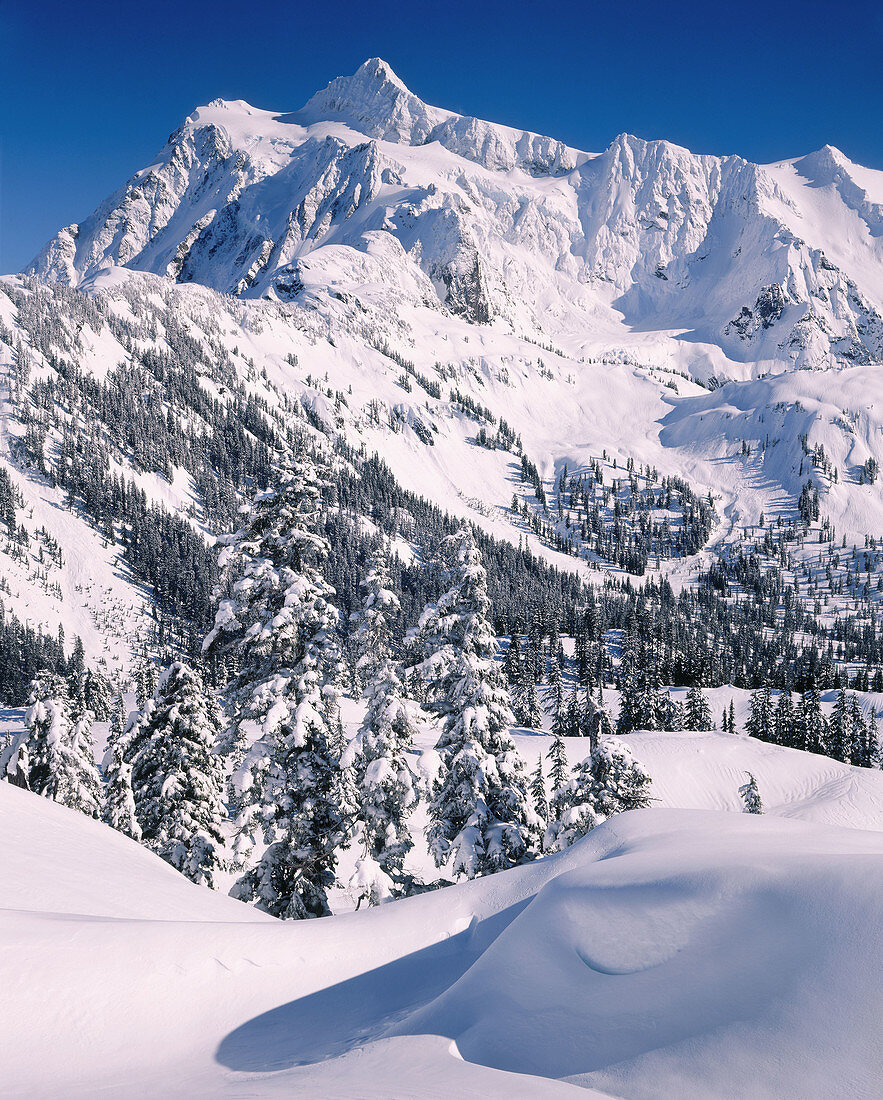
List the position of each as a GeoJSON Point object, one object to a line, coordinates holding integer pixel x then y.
{"type": "Point", "coordinates": [672, 952]}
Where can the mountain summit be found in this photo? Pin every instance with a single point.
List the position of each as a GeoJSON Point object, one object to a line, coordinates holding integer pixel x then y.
{"type": "Point", "coordinates": [369, 187]}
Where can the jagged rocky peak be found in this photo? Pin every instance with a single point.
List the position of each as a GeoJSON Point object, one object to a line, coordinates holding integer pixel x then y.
{"type": "Point", "coordinates": [376, 103]}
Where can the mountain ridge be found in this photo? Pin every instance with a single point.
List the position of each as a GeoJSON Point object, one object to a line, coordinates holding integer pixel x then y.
{"type": "Point", "coordinates": [488, 222]}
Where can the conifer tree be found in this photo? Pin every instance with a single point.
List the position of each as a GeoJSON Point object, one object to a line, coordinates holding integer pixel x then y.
{"type": "Point", "coordinates": [607, 782]}
{"type": "Point", "coordinates": [594, 721]}
{"type": "Point", "coordinates": [841, 729]}
{"type": "Point", "coordinates": [811, 723]}
{"type": "Point", "coordinates": [751, 796]}
{"type": "Point", "coordinates": [178, 778]}
{"type": "Point", "coordinates": [784, 723]}
{"type": "Point", "coordinates": [865, 749]}
{"type": "Point", "coordinates": [760, 722]}
{"type": "Point", "coordinates": [279, 623]}
{"type": "Point", "coordinates": [118, 809]}
{"type": "Point", "coordinates": [56, 753]}
{"type": "Point", "coordinates": [525, 701]}
{"type": "Point", "coordinates": [96, 695]}
{"type": "Point", "coordinates": [385, 792]}
{"type": "Point", "coordinates": [697, 712]}
{"type": "Point", "coordinates": [538, 791]}
{"type": "Point", "coordinates": [480, 816]}
{"type": "Point", "coordinates": [555, 695]}
{"type": "Point", "coordinates": [559, 775]}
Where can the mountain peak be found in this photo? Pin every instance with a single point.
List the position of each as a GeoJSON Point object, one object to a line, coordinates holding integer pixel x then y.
{"type": "Point", "coordinates": [377, 71]}
{"type": "Point", "coordinates": [376, 102]}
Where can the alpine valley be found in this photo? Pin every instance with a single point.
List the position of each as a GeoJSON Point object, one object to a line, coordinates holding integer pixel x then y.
{"type": "Point", "coordinates": [406, 513]}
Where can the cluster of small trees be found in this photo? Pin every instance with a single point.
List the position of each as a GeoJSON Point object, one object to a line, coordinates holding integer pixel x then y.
{"type": "Point", "coordinates": [847, 734]}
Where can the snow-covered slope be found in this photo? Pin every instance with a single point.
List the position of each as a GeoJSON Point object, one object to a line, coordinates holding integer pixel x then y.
{"type": "Point", "coordinates": [697, 953]}
{"type": "Point", "coordinates": [371, 192]}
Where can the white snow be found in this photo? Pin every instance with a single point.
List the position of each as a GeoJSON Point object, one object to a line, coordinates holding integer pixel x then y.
{"type": "Point", "coordinates": [690, 952]}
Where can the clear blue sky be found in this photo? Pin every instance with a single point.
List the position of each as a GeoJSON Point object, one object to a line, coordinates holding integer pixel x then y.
{"type": "Point", "coordinates": [91, 90]}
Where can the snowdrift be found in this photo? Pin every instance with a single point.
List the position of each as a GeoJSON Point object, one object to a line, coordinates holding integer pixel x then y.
{"type": "Point", "coordinates": [671, 952]}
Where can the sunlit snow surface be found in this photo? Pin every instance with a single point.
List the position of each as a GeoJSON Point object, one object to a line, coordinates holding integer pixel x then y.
{"type": "Point", "coordinates": [673, 952]}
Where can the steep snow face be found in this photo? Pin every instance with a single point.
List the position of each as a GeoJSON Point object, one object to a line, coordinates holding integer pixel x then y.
{"type": "Point", "coordinates": [372, 191]}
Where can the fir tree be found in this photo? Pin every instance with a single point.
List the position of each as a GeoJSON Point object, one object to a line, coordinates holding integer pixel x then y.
{"type": "Point", "coordinates": [118, 809]}
{"type": "Point", "coordinates": [607, 782]}
{"type": "Point", "coordinates": [811, 723]}
{"type": "Point", "coordinates": [760, 722]}
{"type": "Point", "coordinates": [784, 723]}
{"type": "Point", "coordinates": [841, 729]}
{"type": "Point", "coordinates": [56, 753]}
{"type": "Point", "coordinates": [697, 712]}
{"type": "Point", "coordinates": [480, 817]}
{"type": "Point", "coordinates": [555, 695]}
{"type": "Point", "coordinates": [384, 785]}
{"type": "Point", "coordinates": [178, 778]}
{"type": "Point", "coordinates": [751, 796]}
{"type": "Point", "coordinates": [559, 775]}
{"type": "Point", "coordinates": [96, 695]}
{"type": "Point", "coordinates": [538, 791]}
{"type": "Point", "coordinates": [279, 623]}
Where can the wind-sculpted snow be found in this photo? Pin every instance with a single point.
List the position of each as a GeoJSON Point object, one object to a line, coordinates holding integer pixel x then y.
{"type": "Point", "coordinates": [686, 955]}
{"type": "Point", "coordinates": [671, 952]}
{"type": "Point", "coordinates": [774, 265]}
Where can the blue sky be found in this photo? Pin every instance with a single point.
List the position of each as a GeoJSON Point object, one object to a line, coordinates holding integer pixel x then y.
{"type": "Point", "coordinates": [91, 91]}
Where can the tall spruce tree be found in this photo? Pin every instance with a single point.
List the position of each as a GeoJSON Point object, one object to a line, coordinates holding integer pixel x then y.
{"type": "Point", "coordinates": [385, 790]}
{"type": "Point", "coordinates": [697, 712]}
{"type": "Point", "coordinates": [760, 722]}
{"type": "Point", "coordinates": [607, 782]}
{"type": "Point", "coordinates": [118, 809]}
{"type": "Point", "coordinates": [279, 623]}
{"type": "Point", "coordinates": [480, 816]}
{"type": "Point", "coordinates": [178, 777]}
{"type": "Point", "coordinates": [538, 791]}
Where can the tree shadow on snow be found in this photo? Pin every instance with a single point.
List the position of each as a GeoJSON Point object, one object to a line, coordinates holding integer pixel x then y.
{"type": "Point", "coordinates": [331, 1021]}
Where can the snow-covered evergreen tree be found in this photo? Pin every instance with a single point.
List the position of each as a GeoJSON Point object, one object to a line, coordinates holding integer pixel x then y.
{"type": "Point", "coordinates": [280, 624]}
{"type": "Point", "coordinates": [761, 723]}
{"type": "Point", "coordinates": [751, 796]}
{"type": "Point", "coordinates": [56, 753]}
{"type": "Point", "coordinates": [556, 697]}
{"type": "Point", "coordinates": [697, 712]}
{"type": "Point", "coordinates": [594, 721]}
{"type": "Point", "coordinates": [538, 791]}
{"type": "Point", "coordinates": [384, 784]}
{"type": "Point", "coordinates": [96, 695]}
{"type": "Point", "coordinates": [145, 679]}
{"type": "Point", "coordinates": [841, 729]}
{"type": "Point", "coordinates": [812, 725]}
{"type": "Point", "coordinates": [118, 809]}
{"type": "Point", "coordinates": [865, 748]}
{"type": "Point", "coordinates": [526, 701]}
{"type": "Point", "coordinates": [559, 775]}
{"type": "Point", "coordinates": [607, 782]}
{"type": "Point", "coordinates": [481, 819]}
{"type": "Point", "coordinates": [784, 722]}
{"type": "Point", "coordinates": [178, 777]}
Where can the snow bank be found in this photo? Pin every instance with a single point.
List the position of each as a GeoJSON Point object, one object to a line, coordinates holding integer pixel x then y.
{"type": "Point", "coordinates": [670, 953]}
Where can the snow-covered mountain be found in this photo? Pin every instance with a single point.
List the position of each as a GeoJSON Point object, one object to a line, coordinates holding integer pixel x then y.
{"type": "Point", "coordinates": [370, 193]}
{"type": "Point", "coordinates": [422, 284]}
